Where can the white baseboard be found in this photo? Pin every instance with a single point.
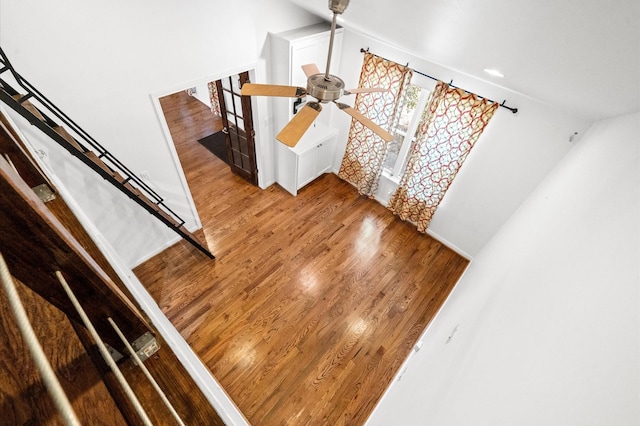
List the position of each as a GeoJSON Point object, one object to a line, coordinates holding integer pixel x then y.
{"type": "Point", "coordinates": [139, 261]}
{"type": "Point", "coordinates": [209, 386]}
{"type": "Point", "coordinates": [429, 232]}
{"type": "Point", "coordinates": [212, 390]}
{"type": "Point", "coordinates": [450, 245]}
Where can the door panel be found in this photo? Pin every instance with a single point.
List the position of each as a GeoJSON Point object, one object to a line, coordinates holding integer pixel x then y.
{"type": "Point", "coordinates": [237, 119]}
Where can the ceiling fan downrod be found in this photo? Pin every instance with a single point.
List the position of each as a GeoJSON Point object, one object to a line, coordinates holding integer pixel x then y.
{"type": "Point", "coordinates": [337, 7]}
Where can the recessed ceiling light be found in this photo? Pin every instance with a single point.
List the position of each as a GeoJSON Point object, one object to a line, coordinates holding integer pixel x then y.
{"type": "Point", "coordinates": [493, 72]}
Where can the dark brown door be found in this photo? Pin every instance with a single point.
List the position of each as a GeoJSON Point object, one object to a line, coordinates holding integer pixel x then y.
{"type": "Point", "coordinates": [237, 119]}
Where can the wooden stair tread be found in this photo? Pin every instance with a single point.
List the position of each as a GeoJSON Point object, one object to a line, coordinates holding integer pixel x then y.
{"type": "Point", "coordinates": [29, 106]}
{"type": "Point", "coordinates": [63, 132]}
{"type": "Point", "coordinates": [125, 182]}
{"type": "Point", "coordinates": [98, 162]}
{"type": "Point", "coordinates": [155, 207]}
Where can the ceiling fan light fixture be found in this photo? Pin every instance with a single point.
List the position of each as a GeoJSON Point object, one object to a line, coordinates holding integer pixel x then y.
{"type": "Point", "coordinates": [494, 72]}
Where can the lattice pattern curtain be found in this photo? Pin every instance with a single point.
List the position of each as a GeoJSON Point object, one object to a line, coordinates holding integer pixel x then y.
{"type": "Point", "coordinates": [366, 152]}
{"type": "Point", "coordinates": [213, 98]}
{"type": "Point", "coordinates": [452, 124]}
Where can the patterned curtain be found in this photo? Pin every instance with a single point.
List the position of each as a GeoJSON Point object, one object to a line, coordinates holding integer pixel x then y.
{"type": "Point", "coordinates": [213, 98]}
{"type": "Point", "coordinates": [366, 152]}
{"type": "Point", "coordinates": [453, 122]}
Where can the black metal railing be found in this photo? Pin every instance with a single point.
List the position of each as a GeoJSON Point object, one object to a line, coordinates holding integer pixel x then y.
{"type": "Point", "coordinates": [82, 143]}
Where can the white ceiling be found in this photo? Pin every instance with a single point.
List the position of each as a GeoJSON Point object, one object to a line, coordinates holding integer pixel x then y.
{"type": "Point", "coordinates": [582, 56]}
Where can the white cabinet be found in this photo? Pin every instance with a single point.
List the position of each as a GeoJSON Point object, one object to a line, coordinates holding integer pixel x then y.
{"type": "Point", "coordinates": [310, 158]}
{"type": "Point", "coordinates": [292, 49]}
{"type": "Point", "coordinates": [313, 155]}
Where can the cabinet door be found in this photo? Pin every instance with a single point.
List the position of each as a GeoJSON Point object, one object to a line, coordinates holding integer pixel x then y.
{"type": "Point", "coordinates": [307, 166]}
{"type": "Point", "coordinates": [324, 157]}
{"type": "Point", "coordinates": [308, 52]}
{"type": "Point", "coordinates": [287, 168]}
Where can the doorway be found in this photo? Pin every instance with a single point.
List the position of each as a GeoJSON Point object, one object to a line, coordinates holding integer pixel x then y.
{"type": "Point", "coordinates": [187, 120]}
{"type": "Point", "coordinates": [214, 115]}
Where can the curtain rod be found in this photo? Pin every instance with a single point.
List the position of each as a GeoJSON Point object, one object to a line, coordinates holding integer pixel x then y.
{"type": "Point", "coordinates": [513, 110]}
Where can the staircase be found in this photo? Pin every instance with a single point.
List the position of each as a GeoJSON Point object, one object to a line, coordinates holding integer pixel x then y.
{"type": "Point", "coordinates": [42, 113]}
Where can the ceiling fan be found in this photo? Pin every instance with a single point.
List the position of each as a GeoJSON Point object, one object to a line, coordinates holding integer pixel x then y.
{"type": "Point", "coordinates": [324, 87]}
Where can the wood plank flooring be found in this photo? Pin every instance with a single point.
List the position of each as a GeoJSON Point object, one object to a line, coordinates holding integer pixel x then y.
{"type": "Point", "coordinates": [312, 303]}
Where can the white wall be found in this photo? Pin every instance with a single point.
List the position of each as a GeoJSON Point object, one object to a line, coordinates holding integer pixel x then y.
{"type": "Point", "coordinates": [509, 160]}
{"type": "Point", "coordinates": [202, 94]}
{"type": "Point", "coordinates": [101, 62]}
{"type": "Point", "coordinates": [549, 326]}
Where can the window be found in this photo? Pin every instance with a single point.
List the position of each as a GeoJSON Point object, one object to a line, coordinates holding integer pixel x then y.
{"type": "Point", "coordinates": [412, 110]}
{"type": "Point", "coordinates": [455, 121]}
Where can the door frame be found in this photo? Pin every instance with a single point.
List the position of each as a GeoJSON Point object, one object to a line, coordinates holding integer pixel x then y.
{"type": "Point", "coordinates": [263, 149]}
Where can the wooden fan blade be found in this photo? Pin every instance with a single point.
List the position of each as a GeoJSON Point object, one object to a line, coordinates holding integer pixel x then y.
{"type": "Point", "coordinates": [293, 131]}
{"type": "Point", "coordinates": [251, 89]}
{"type": "Point", "coordinates": [365, 90]}
{"type": "Point", "coordinates": [310, 69]}
{"type": "Point", "coordinates": [366, 122]}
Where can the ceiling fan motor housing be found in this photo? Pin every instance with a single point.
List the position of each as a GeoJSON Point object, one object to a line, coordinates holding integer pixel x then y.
{"type": "Point", "coordinates": [325, 89]}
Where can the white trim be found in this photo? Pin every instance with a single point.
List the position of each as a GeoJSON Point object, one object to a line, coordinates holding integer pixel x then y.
{"type": "Point", "coordinates": [403, 154]}
{"type": "Point", "coordinates": [211, 389]}
{"type": "Point", "coordinates": [449, 244]}
{"type": "Point", "coordinates": [175, 160]}
{"type": "Point", "coordinates": [209, 386]}
{"type": "Point", "coordinates": [429, 232]}
{"type": "Point", "coordinates": [157, 251]}
{"type": "Point", "coordinates": [260, 163]}
{"type": "Point", "coordinates": [206, 79]}
{"type": "Point", "coordinates": [404, 367]}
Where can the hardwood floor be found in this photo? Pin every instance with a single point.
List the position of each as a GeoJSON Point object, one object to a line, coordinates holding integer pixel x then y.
{"type": "Point", "coordinates": [312, 303]}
